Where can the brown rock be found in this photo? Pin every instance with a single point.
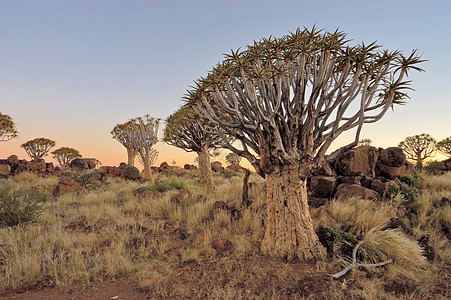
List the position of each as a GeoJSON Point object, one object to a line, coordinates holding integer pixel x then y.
{"type": "Point", "coordinates": [323, 186]}
{"type": "Point", "coordinates": [180, 197]}
{"type": "Point", "coordinates": [346, 191]}
{"type": "Point", "coordinates": [392, 157]}
{"type": "Point", "coordinates": [5, 169]}
{"type": "Point", "coordinates": [393, 172]}
{"type": "Point", "coordinates": [67, 184]}
{"type": "Point", "coordinates": [314, 202]}
{"type": "Point", "coordinates": [164, 166]}
{"type": "Point", "coordinates": [13, 160]}
{"type": "Point", "coordinates": [78, 164]}
{"type": "Point", "coordinates": [322, 217]}
{"type": "Point", "coordinates": [350, 179]}
{"type": "Point", "coordinates": [146, 285]}
{"type": "Point", "coordinates": [221, 245]}
{"type": "Point", "coordinates": [189, 167]}
{"type": "Point", "coordinates": [49, 167]}
{"type": "Point", "coordinates": [37, 166]}
{"type": "Point", "coordinates": [360, 161]}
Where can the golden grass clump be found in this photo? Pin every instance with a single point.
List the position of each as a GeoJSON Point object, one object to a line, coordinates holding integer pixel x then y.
{"type": "Point", "coordinates": [438, 182]}
{"type": "Point", "coordinates": [358, 216]}
{"type": "Point", "coordinates": [381, 245]}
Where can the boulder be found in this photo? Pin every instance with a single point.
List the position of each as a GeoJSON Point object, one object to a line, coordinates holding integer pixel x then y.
{"type": "Point", "coordinates": [67, 184]}
{"type": "Point", "coordinates": [322, 217]}
{"type": "Point", "coordinates": [360, 161]}
{"type": "Point", "coordinates": [350, 179]}
{"type": "Point", "coordinates": [380, 186]}
{"type": "Point", "coordinates": [163, 167]}
{"type": "Point", "coordinates": [22, 167]}
{"type": "Point", "coordinates": [78, 164]}
{"type": "Point", "coordinates": [393, 172]}
{"type": "Point", "coordinates": [346, 191]}
{"type": "Point", "coordinates": [221, 245]}
{"type": "Point", "coordinates": [217, 167]}
{"type": "Point", "coordinates": [37, 166]}
{"type": "Point", "coordinates": [189, 167]}
{"type": "Point", "coordinates": [323, 186]}
{"type": "Point", "coordinates": [392, 157]}
{"type": "Point", "coordinates": [13, 160]}
{"type": "Point", "coordinates": [49, 167]}
{"type": "Point", "coordinates": [5, 169]}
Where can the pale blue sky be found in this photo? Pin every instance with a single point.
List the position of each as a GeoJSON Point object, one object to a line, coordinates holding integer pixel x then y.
{"type": "Point", "coordinates": [71, 70]}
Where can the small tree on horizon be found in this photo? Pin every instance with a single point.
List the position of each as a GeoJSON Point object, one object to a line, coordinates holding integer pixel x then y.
{"type": "Point", "coordinates": [233, 159]}
{"type": "Point", "coordinates": [418, 148]}
{"type": "Point", "coordinates": [365, 142]}
{"type": "Point", "coordinates": [65, 155]}
{"type": "Point", "coordinates": [142, 135]}
{"type": "Point", "coordinates": [8, 129]}
{"type": "Point", "coordinates": [38, 148]}
{"type": "Point", "coordinates": [185, 130]}
{"type": "Point", "coordinates": [444, 146]}
{"type": "Point", "coordinates": [121, 133]}
{"type": "Point", "coordinates": [286, 100]}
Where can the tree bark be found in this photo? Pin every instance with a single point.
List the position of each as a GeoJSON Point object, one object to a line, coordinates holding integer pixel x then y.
{"type": "Point", "coordinates": [206, 174]}
{"type": "Point", "coordinates": [289, 227]}
{"type": "Point", "coordinates": [147, 172]}
{"type": "Point", "coordinates": [131, 155]}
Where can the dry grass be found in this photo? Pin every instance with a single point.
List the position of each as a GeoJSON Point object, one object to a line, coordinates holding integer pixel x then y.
{"type": "Point", "coordinates": [110, 232]}
{"type": "Point", "coordinates": [358, 216]}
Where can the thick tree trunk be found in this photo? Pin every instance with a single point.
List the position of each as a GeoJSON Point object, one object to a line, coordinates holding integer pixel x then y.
{"type": "Point", "coordinates": [147, 172]}
{"type": "Point", "coordinates": [131, 155]}
{"type": "Point", "coordinates": [289, 228]}
{"type": "Point", "coordinates": [206, 174]}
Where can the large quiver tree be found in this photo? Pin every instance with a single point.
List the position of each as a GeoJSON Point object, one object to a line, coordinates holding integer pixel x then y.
{"type": "Point", "coordinates": [8, 129]}
{"type": "Point", "coordinates": [186, 130]}
{"type": "Point", "coordinates": [121, 132]}
{"type": "Point", "coordinates": [143, 136]}
{"type": "Point", "coordinates": [287, 99]}
{"type": "Point", "coordinates": [418, 148]}
{"type": "Point", "coordinates": [38, 148]}
{"type": "Point", "coordinates": [444, 146]}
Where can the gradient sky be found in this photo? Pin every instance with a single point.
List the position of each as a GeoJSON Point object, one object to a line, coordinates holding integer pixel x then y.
{"type": "Point", "coordinates": [71, 70]}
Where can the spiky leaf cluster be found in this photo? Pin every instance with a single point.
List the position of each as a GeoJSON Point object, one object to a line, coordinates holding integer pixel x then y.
{"type": "Point", "coordinates": [418, 147]}
{"type": "Point", "coordinates": [444, 146]}
{"type": "Point", "coordinates": [38, 148]}
{"type": "Point", "coordinates": [64, 155]}
{"type": "Point", "coordinates": [142, 133]}
{"type": "Point", "coordinates": [121, 133]}
{"type": "Point", "coordinates": [185, 129]}
{"type": "Point", "coordinates": [289, 98]}
{"type": "Point", "coordinates": [8, 129]}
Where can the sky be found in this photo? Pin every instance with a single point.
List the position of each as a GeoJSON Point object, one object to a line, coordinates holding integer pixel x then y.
{"type": "Point", "coordinates": [70, 70]}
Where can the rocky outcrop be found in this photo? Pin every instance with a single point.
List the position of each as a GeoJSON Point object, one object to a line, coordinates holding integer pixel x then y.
{"type": "Point", "coordinates": [67, 184]}
{"type": "Point", "coordinates": [78, 164]}
{"type": "Point", "coordinates": [365, 171]}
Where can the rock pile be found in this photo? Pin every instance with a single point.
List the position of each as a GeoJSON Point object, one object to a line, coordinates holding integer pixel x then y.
{"type": "Point", "coordinates": [363, 171]}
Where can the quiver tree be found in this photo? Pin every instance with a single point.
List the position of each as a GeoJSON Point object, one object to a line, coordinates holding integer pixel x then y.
{"type": "Point", "coordinates": [121, 133]}
{"type": "Point", "coordinates": [418, 148]}
{"type": "Point", "coordinates": [8, 129]}
{"type": "Point", "coordinates": [287, 99]}
{"type": "Point", "coordinates": [364, 142]}
{"type": "Point", "coordinates": [142, 135]}
{"type": "Point", "coordinates": [64, 155]}
{"type": "Point", "coordinates": [444, 146]}
{"type": "Point", "coordinates": [38, 148]}
{"type": "Point", "coordinates": [233, 159]}
{"type": "Point", "coordinates": [153, 155]}
{"type": "Point", "coordinates": [186, 130]}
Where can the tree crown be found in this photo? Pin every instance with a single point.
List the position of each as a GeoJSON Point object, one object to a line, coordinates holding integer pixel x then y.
{"type": "Point", "coordinates": [287, 99]}
{"type": "Point", "coordinates": [8, 129]}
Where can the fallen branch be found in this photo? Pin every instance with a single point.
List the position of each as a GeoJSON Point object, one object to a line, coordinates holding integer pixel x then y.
{"type": "Point", "coordinates": [355, 264]}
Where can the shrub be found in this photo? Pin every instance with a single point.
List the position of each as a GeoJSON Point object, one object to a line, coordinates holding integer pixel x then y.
{"type": "Point", "coordinates": [168, 185]}
{"type": "Point", "coordinates": [131, 173]}
{"type": "Point", "coordinates": [413, 181]}
{"type": "Point", "coordinates": [19, 207]}
{"type": "Point", "coordinates": [433, 168]}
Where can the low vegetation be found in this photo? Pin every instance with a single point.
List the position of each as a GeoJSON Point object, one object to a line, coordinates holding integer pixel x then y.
{"type": "Point", "coordinates": [193, 242]}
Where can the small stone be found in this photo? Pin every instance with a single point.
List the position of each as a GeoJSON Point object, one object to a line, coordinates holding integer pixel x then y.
{"type": "Point", "coordinates": [146, 285]}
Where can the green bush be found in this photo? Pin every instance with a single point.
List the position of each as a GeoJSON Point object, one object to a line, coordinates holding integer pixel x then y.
{"type": "Point", "coordinates": [18, 207]}
{"type": "Point", "coordinates": [433, 168]}
{"type": "Point", "coordinates": [413, 181]}
{"type": "Point", "coordinates": [131, 173]}
{"type": "Point", "coordinates": [163, 186]}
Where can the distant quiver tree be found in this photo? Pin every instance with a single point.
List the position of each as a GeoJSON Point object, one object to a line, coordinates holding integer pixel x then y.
{"type": "Point", "coordinates": [444, 146]}
{"type": "Point", "coordinates": [287, 99]}
{"type": "Point", "coordinates": [8, 129]}
{"type": "Point", "coordinates": [233, 159]}
{"type": "Point", "coordinates": [64, 155]}
{"type": "Point", "coordinates": [186, 130]}
{"type": "Point", "coordinates": [121, 132]}
{"type": "Point", "coordinates": [364, 142]}
{"type": "Point", "coordinates": [418, 148]}
{"type": "Point", "coordinates": [143, 136]}
{"type": "Point", "coordinates": [38, 148]}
